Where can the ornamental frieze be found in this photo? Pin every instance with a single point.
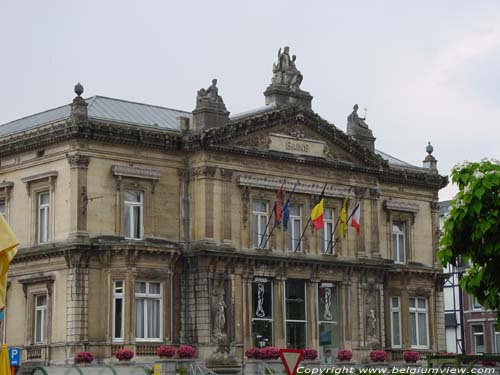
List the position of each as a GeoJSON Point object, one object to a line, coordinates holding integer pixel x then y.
{"type": "Point", "coordinates": [392, 205]}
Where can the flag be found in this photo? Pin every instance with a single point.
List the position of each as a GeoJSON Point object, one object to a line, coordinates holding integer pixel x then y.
{"type": "Point", "coordinates": [317, 215]}
{"type": "Point", "coordinates": [5, 361]}
{"type": "Point", "coordinates": [286, 214]}
{"type": "Point", "coordinates": [8, 248]}
{"type": "Point", "coordinates": [343, 218]}
{"type": "Point", "coordinates": [277, 205]}
{"type": "Point", "coordinates": [356, 218]}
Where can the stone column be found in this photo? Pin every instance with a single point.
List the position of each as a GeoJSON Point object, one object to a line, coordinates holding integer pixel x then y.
{"type": "Point", "coordinates": [435, 232]}
{"type": "Point", "coordinates": [246, 283]}
{"type": "Point", "coordinates": [312, 321]}
{"type": "Point", "coordinates": [78, 196]}
{"type": "Point", "coordinates": [279, 319]}
{"type": "Point", "coordinates": [375, 242]}
{"type": "Point", "coordinates": [226, 175]}
{"type": "Point", "coordinates": [77, 284]}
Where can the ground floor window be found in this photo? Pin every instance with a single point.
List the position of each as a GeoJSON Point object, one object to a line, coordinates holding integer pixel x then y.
{"type": "Point", "coordinates": [262, 307]}
{"type": "Point", "coordinates": [328, 319]}
{"type": "Point", "coordinates": [496, 338]}
{"type": "Point", "coordinates": [419, 323]}
{"type": "Point", "coordinates": [295, 316]}
{"type": "Point", "coordinates": [148, 311]}
{"type": "Point", "coordinates": [477, 337]}
{"type": "Point", "coordinates": [118, 310]}
{"type": "Point", "coordinates": [395, 322]}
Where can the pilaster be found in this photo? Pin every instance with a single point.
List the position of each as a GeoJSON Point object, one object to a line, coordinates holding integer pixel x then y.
{"type": "Point", "coordinates": [79, 195]}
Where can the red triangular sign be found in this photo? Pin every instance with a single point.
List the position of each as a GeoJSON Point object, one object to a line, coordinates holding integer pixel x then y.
{"type": "Point", "coordinates": [291, 359]}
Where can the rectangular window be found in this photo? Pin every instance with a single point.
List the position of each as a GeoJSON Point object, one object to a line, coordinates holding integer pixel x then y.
{"type": "Point", "coordinates": [40, 318]}
{"type": "Point", "coordinates": [496, 338]}
{"type": "Point", "coordinates": [3, 207]}
{"type": "Point", "coordinates": [43, 217]}
{"type": "Point", "coordinates": [475, 304]}
{"type": "Point", "coordinates": [419, 323]}
{"type": "Point", "coordinates": [118, 310]}
{"type": "Point", "coordinates": [396, 322]}
{"type": "Point", "coordinates": [133, 208]}
{"type": "Point", "coordinates": [326, 232]}
{"type": "Point", "coordinates": [262, 321]}
{"type": "Point", "coordinates": [478, 341]}
{"type": "Point", "coordinates": [148, 311]}
{"type": "Point", "coordinates": [328, 318]}
{"type": "Point", "coordinates": [294, 228]}
{"type": "Point", "coordinates": [259, 223]}
{"type": "Point", "coordinates": [398, 242]}
{"type": "Point", "coordinates": [295, 314]}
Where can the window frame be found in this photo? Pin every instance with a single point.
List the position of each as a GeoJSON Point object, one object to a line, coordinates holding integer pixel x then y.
{"type": "Point", "coordinates": [259, 215]}
{"type": "Point", "coordinates": [286, 320]}
{"type": "Point", "coordinates": [290, 233]}
{"type": "Point", "coordinates": [270, 320]}
{"type": "Point", "coordinates": [325, 233]}
{"type": "Point", "coordinates": [495, 336]}
{"type": "Point", "coordinates": [43, 310]}
{"type": "Point", "coordinates": [45, 208]}
{"type": "Point", "coordinates": [132, 204]}
{"type": "Point", "coordinates": [397, 252]}
{"type": "Point", "coordinates": [417, 311]}
{"type": "Point", "coordinates": [116, 296]}
{"type": "Point", "coordinates": [397, 310]}
{"type": "Point", "coordinates": [473, 336]}
{"type": "Point", "coordinates": [146, 296]}
{"type": "Point", "coordinates": [335, 301]}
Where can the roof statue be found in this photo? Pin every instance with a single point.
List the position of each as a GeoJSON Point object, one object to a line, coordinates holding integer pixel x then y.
{"type": "Point", "coordinates": [354, 118]}
{"type": "Point", "coordinates": [357, 127]}
{"type": "Point", "coordinates": [285, 72]}
{"type": "Point", "coordinates": [210, 109]}
{"type": "Point", "coordinates": [211, 94]}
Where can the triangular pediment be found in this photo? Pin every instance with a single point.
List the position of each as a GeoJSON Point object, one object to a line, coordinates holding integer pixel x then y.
{"type": "Point", "coordinates": [302, 135]}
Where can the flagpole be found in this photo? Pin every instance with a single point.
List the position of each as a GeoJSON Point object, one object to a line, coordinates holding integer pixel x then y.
{"type": "Point", "coordinates": [352, 213]}
{"type": "Point", "coordinates": [336, 225]}
{"type": "Point", "coordinates": [274, 209]}
{"type": "Point", "coordinates": [308, 221]}
{"type": "Point", "coordinates": [282, 210]}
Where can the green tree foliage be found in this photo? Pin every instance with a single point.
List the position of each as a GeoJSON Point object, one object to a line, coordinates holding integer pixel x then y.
{"type": "Point", "coordinates": [471, 231]}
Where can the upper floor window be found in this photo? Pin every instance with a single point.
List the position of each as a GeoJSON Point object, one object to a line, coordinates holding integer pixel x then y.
{"type": "Point", "coordinates": [326, 233]}
{"type": "Point", "coordinates": [148, 311]}
{"type": "Point", "coordinates": [419, 323]}
{"type": "Point", "coordinates": [118, 310]}
{"type": "Point", "coordinates": [294, 230]}
{"type": "Point", "coordinates": [134, 212]}
{"type": "Point", "coordinates": [43, 216]}
{"type": "Point", "coordinates": [475, 304]}
{"type": "Point", "coordinates": [259, 222]}
{"type": "Point", "coordinates": [398, 242]}
{"type": "Point", "coordinates": [40, 321]}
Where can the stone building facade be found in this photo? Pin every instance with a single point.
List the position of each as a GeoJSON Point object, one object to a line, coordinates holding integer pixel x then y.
{"type": "Point", "coordinates": [141, 225]}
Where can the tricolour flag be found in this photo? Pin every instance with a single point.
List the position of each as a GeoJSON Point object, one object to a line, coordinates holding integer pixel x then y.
{"type": "Point", "coordinates": [356, 218]}
{"type": "Point", "coordinates": [8, 249]}
{"type": "Point", "coordinates": [286, 214]}
{"type": "Point", "coordinates": [317, 215]}
{"type": "Point", "coordinates": [277, 205]}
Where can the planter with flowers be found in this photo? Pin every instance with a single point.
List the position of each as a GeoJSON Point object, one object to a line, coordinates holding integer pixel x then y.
{"type": "Point", "coordinates": [84, 358]}
{"type": "Point", "coordinates": [185, 355]}
{"type": "Point", "coordinates": [254, 357]}
{"type": "Point", "coordinates": [379, 359]}
{"type": "Point", "coordinates": [411, 358]}
{"type": "Point", "coordinates": [166, 354]}
{"type": "Point", "coordinates": [310, 357]}
{"type": "Point", "coordinates": [124, 355]}
{"type": "Point", "coordinates": [344, 356]}
{"type": "Point", "coordinates": [165, 351]}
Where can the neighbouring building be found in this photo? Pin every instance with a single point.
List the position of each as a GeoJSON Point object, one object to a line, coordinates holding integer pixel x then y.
{"type": "Point", "coordinates": [142, 225]}
{"type": "Point", "coordinates": [464, 316]}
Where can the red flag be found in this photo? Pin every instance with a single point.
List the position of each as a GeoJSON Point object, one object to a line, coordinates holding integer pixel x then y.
{"type": "Point", "coordinates": [356, 218]}
{"type": "Point", "coordinates": [277, 204]}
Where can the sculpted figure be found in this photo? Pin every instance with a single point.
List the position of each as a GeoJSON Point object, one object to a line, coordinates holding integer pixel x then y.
{"type": "Point", "coordinates": [210, 94]}
{"type": "Point", "coordinates": [371, 323]}
{"type": "Point", "coordinates": [355, 119]}
{"type": "Point", "coordinates": [221, 316]}
{"type": "Point", "coordinates": [285, 72]}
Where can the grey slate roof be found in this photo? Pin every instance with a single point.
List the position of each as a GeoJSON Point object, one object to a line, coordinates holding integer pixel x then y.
{"type": "Point", "coordinates": [103, 108]}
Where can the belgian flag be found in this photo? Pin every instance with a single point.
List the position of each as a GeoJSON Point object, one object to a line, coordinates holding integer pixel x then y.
{"type": "Point", "coordinates": [317, 215]}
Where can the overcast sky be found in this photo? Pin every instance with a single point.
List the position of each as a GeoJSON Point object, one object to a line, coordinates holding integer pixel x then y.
{"type": "Point", "coordinates": [425, 70]}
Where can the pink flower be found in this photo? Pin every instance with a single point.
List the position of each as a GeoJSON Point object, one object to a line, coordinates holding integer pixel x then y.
{"type": "Point", "coordinates": [269, 352]}
{"type": "Point", "coordinates": [253, 352]}
{"type": "Point", "coordinates": [411, 357]}
{"type": "Point", "coordinates": [186, 351]}
{"type": "Point", "coordinates": [124, 354]}
{"type": "Point", "coordinates": [84, 357]}
{"type": "Point", "coordinates": [310, 354]}
{"type": "Point", "coordinates": [378, 356]}
{"type": "Point", "coordinates": [165, 351]}
{"type": "Point", "coordinates": [344, 355]}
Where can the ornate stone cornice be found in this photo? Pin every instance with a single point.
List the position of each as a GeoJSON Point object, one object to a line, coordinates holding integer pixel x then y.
{"type": "Point", "coordinates": [39, 176]}
{"type": "Point", "coordinates": [78, 161]}
{"type": "Point", "coordinates": [136, 172]}
{"type": "Point", "coordinates": [313, 188]}
{"type": "Point", "coordinates": [392, 205]}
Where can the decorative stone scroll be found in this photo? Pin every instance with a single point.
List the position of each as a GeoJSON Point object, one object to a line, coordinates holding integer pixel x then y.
{"type": "Point", "coordinates": [302, 187]}
{"type": "Point", "coordinates": [401, 206]}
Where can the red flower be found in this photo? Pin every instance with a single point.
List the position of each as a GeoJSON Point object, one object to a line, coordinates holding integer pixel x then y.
{"type": "Point", "coordinates": [124, 354]}
{"type": "Point", "coordinates": [253, 352]}
{"type": "Point", "coordinates": [84, 357]}
{"type": "Point", "coordinates": [186, 351]}
{"type": "Point", "coordinates": [165, 351]}
{"type": "Point", "coordinates": [344, 355]}
{"type": "Point", "coordinates": [378, 356]}
{"type": "Point", "coordinates": [269, 352]}
{"type": "Point", "coordinates": [310, 353]}
{"type": "Point", "coordinates": [411, 357]}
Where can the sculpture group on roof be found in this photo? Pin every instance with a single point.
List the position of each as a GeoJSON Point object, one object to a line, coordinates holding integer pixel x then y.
{"type": "Point", "coordinates": [285, 72]}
